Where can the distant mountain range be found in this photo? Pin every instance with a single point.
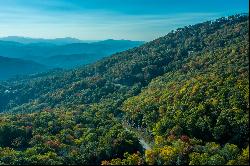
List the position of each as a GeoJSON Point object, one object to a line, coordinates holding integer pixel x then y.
{"type": "Point", "coordinates": [11, 67]}
{"type": "Point", "coordinates": [57, 41]}
{"type": "Point", "coordinates": [24, 56]}
{"type": "Point", "coordinates": [48, 52]}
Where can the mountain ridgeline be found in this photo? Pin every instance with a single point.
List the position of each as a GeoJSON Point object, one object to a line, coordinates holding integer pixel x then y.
{"type": "Point", "coordinates": [38, 51]}
{"type": "Point", "coordinates": [188, 92]}
{"type": "Point", "coordinates": [57, 41]}
{"type": "Point", "coordinates": [58, 53]}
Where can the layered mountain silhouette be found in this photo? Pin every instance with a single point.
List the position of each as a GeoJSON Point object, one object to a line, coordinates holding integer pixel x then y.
{"type": "Point", "coordinates": [57, 41]}
{"type": "Point", "coordinates": [53, 55]}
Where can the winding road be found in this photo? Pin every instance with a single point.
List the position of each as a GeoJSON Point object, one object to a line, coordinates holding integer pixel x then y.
{"type": "Point", "coordinates": [142, 141]}
{"type": "Point", "coordinates": [144, 144]}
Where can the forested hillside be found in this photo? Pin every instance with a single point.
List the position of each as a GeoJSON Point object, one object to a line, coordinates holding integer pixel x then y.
{"type": "Point", "coordinates": [187, 91]}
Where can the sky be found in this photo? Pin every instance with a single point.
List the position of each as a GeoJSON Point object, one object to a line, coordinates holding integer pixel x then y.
{"type": "Point", "coordinates": [109, 19]}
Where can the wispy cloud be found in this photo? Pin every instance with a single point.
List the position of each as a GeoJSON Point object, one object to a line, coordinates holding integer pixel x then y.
{"type": "Point", "coordinates": [60, 18]}
{"type": "Point", "coordinates": [99, 25]}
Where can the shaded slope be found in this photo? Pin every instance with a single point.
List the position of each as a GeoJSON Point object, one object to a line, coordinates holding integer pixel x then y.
{"type": "Point", "coordinates": [10, 67]}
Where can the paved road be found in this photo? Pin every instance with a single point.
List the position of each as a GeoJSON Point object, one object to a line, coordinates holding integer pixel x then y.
{"type": "Point", "coordinates": [143, 143]}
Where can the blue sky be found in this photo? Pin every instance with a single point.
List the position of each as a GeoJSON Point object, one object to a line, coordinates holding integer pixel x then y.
{"type": "Point", "coordinates": [104, 19]}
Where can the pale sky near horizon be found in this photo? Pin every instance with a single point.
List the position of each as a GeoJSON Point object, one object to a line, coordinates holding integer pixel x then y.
{"type": "Point", "coordinates": [105, 19]}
